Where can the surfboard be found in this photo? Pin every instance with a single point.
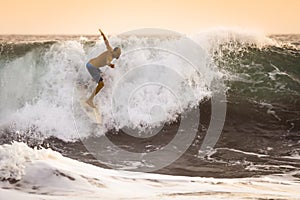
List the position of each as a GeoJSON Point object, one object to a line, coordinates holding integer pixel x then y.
{"type": "Point", "coordinates": [92, 113]}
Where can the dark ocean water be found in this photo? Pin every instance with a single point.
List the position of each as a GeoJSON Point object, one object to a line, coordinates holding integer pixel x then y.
{"type": "Point", "coordinates": [261, 133]}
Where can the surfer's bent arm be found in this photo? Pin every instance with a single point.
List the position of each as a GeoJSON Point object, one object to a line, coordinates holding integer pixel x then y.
{"type": "Point", "coordinates": [106, 41]}
{"type": "Point", "coordinates": [108, 61]}
{"type": "Point", "coordinates": [110, 64]}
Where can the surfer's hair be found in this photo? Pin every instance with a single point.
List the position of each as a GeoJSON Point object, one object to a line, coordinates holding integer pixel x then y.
{"type": "Point", "coordinates": [116, 48]}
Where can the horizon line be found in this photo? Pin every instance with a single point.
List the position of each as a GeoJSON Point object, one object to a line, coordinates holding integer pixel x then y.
{"type": "Point", "coordinates": [88, 34]}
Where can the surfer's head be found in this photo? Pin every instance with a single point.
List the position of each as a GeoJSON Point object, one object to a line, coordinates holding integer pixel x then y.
{"type": "Point", "coordinates": [116, 52]}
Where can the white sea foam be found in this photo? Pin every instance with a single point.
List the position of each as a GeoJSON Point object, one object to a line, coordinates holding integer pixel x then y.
{"type": "Point", "coordinates": [45, 174]}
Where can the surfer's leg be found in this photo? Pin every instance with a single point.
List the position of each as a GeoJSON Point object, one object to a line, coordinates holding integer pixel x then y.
{"type": "Point", "coordinates": [96, 91]}
{"type": "Point", "coordinates": [99, 87]}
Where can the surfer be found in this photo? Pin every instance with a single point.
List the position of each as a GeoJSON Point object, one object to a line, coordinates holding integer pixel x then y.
{"type": "Point", "coordinates": [102, 60]}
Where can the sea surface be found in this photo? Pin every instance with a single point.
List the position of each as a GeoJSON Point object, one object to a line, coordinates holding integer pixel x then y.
{"type": "Point", "coordinates": [159, 108]}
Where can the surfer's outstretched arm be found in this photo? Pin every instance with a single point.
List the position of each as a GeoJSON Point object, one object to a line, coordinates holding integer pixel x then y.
{"type": "Point", "coordinates": [106, 41]}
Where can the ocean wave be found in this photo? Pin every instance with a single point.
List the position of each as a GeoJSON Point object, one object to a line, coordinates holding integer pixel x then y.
{"type": "Point", "coordinates": [38, 79]}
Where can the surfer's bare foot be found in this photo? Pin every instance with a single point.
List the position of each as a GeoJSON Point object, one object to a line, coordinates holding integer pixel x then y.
{"type": "Point", "coordinates": [90, 103]}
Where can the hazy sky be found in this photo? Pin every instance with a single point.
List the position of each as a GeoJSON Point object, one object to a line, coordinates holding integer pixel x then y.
{"type": "Point", "coordinates": [116, 16]}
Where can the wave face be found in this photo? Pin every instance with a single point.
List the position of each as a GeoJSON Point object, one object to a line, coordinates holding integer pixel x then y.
{"type": "Point", "coordinates": [39, 76]}
{"type": "Point", "coordinates": [38, 80]}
